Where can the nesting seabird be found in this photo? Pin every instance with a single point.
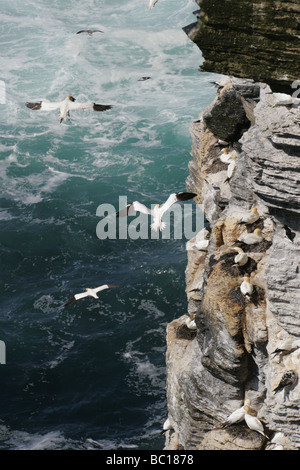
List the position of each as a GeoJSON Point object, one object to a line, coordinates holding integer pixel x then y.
{"type": "Point", "coordinates": [89, 31]}
{"type": "Point", "coordinates": [201, 241]}
{"type": "Point", "coordinates": [151, 4]}
{"type": "Point", "coordinates": [166, 426]}
{"type": "Point", "coordinates": [158, 210]}
{"type": "Point", "coordinates": [252, 421]}
{"type": "Point", "coordinates": [90, 292]}
{"type": "Point", "coordinates": [246, 287]}
{"type": "Point", "coordinates": [227, 155]}
{"type": "Point", "coordinates": [241, 258]}
{"type": "Point", "coordinates": [251, 238]}
{"type": "Point", "coordinates": [190, 322]}
{"type": "Point", "coordinates": [67, 105]}
{"type": "Point", "coordinates": [286, 346]}
{"type": "Point", "coordinates": [247, 414]}
{"type": "Point", "coordinates": [287, 381]}
{"type": "Point", "coordinates": [249, 217]}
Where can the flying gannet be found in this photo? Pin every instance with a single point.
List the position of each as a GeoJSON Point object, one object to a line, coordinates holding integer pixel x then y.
{"type": "Point", "coordinates": [241, 258]}
{"type": "Point", "coordinates": [89, 31]}
{"type": "Point", "coordinates": [67, 105]}
{"type": "Point", "coordinates": [151, 4]}
{"type": "Point", "coordinates": [251, 238]}
{"type": "Point", "coordinates": [246, 286]}
{"type": "Point", "coordinates": [158, 210]}
{"type": "Point", "coordinates": [90, 292]}
{"type": "Point", "coordinates": [142, 79]}
{"type": "Point", "coordinates": [249, 217]}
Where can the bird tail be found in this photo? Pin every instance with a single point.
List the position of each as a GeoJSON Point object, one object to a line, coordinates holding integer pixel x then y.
{"type": "Point", "coordinates": [158, 225]}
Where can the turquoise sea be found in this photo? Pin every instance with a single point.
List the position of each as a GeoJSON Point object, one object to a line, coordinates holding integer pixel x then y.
{"type": "Point", "coordinates": [90, 375]}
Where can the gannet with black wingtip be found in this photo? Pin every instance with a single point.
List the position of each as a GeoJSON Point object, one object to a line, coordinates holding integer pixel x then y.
{"type": "Point", "coordinates": [246, 287]}
{"type": "Point", "coordinates": [89, 31]}
{"type": "Point", "coordinates": [241, 258]}
{"type": "Point", "coordinates": [151, 4]}
{"type": "Point", "coordinates": [249, 217]}
{"type": "Point", "coordinates": [251, 238]}
{"type": "Point", "coordinates": [90, 292]}
{"type": "Point", "coordinates": [158, 210]}
{"type": "Point", "coordinates": [67, 105]}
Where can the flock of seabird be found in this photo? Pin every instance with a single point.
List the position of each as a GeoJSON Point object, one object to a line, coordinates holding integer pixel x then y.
{"type": "Point", "coordinates": [229, 157]}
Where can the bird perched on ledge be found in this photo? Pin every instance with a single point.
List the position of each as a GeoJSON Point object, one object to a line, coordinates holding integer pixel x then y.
{"type": "Point", "coordinates": [286, 346]}
{"type": "Point", "coordinates": [251, 238]}
{"type": "Point", "coordinates": [241, 258]}
{"type": "Point", "coordinates": [249, 217]}
{"type": "Point", "coordinates": [67, 105]}
{"type": "Point", "coordinates": [246, 287]}
{"type": "Point", "coordinates": [158, 210]}
{"type": "Point", "coordinates": [249, 415]}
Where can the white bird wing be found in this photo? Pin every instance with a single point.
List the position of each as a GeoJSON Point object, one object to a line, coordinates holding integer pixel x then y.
{"type": "Point", "coordinates": [175, 197]}
{"type": "Point", "coordinates": [44, 105]}
{"type": "Point", "coordinates": [105, 286]}
{"type": "Point", "coordinates": [88, 106]}
{"type": "Point", "coordinates": [225, 158]}
{"type": "Point", "coordinates": [130, 209]}
{"type": "Point", "coordinates": [81, 295]}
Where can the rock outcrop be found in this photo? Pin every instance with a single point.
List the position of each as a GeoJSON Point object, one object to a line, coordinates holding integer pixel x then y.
{"type": "Point", "coordinates": [249, 38]}
{"type": "Point", "coordinates": [230, 357]}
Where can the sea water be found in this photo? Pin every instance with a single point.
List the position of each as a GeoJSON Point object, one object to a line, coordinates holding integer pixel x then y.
{"type": "Point", "coordinates": [91, 375]}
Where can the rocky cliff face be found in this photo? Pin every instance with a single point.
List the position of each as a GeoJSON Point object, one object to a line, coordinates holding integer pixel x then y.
{"type": "Point", "coordinates": [249, 38]}
{"type": "Point", "coordinates": [230, 357]}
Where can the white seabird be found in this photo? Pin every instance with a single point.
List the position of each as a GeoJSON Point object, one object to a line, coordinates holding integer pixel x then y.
{"type": "Point", "coordinates": [158, 210]}
{"type": "Point", "coordinates": [288, 379]}
{"type": "Point", "coordinates": [283, 99]}
{"type": "Point", "coordinates": [252, 421]}
{"type": "Point", "coordinates": [201, 241]}
{"type": "Point", "coordinates": [90, 292]}
{"type": "Point", "coordinates": [246, 287]}
{"type": "Point", "coordinates": [151, 4]}
{"type": "Point", "coordinates": [241, 258]}
{"type": "Point", "coordinates": [286, 346]}
{"type": "Point", "coordinates": [190, 322]}
{"type": "Point", "coordinates": [166, 426]}
{"type": "Point", "coordinates": [226, 155]}
{"type": "Point", "coordinates": [249, 415]}
{"type": "Point", "coordinates": [67, 105]}
{"type": "Point", "coordinates": [89, 31]}
{"type": "Point", "coordinates": [251, 238]}
{"type": "Point", "coordinates": [249, 217]}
